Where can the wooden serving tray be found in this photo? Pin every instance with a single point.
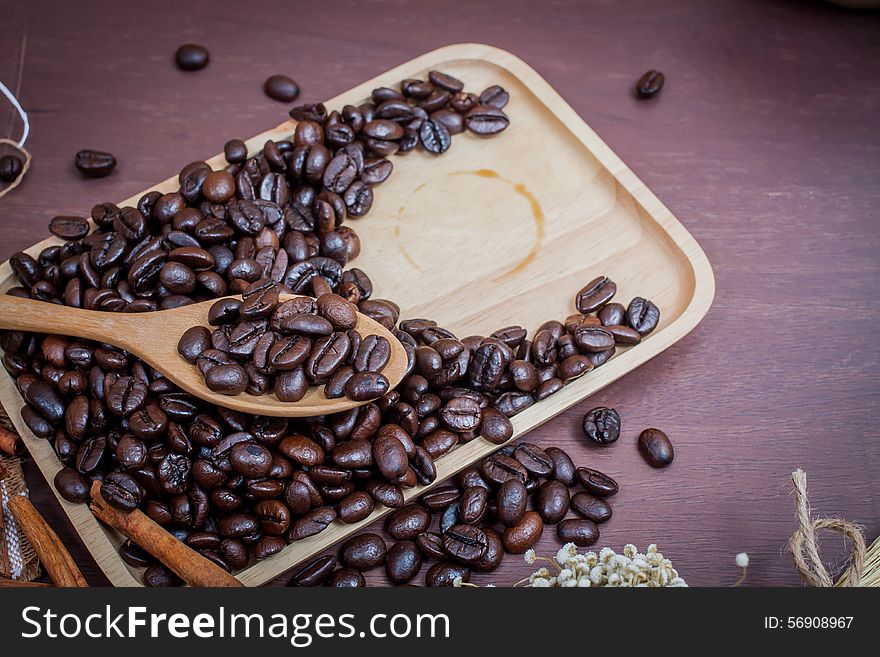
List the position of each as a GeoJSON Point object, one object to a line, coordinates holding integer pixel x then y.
{"type": "Point", "coordinates": [498, 231]}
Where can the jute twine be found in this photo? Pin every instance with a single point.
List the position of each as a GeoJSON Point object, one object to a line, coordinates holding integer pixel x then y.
{"type": "Point", "coordinates": [805, 549]}
{"type": "Point", "coordinates": [24, 169]}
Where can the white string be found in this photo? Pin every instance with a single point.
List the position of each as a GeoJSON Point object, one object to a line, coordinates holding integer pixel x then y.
{"type": "Point", "coordinates": [24, 118]}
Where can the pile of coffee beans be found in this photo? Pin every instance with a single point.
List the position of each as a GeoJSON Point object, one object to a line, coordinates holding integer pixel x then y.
{"type": "Point", "coordinates": [502, 506]}
{"type": "Point", "coordinates": [238, 487]}
{"type": "Point", "coordinates": [264, 344]}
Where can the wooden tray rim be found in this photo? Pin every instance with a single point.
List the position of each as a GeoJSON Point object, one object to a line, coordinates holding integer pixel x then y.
{"type": "Point", "coordinates": [95, 537]}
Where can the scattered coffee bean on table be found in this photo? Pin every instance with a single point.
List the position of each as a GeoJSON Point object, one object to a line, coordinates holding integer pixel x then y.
{"type": "Point", "coordinates": [602, 425]}
{"type": "Point", "coordinates": [10, 167]}
{"type": "Point", "coordinates": [94, 164]}
{"type": "Point", "coordinates": [281, 88]}
{"type": "Point", "coordinates": [650, 84]}
{"type": "Point", "coordinates": [656, 448]}
{"type": "Point", "coordinates": [191, 57]}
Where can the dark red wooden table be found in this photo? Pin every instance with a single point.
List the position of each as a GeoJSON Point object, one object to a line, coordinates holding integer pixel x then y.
{"type": "Point", "coordinates": [765, 143]}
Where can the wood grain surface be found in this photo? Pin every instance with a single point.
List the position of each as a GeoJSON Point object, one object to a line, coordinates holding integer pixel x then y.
{"type": "Point", "coordinates": [764, 143]}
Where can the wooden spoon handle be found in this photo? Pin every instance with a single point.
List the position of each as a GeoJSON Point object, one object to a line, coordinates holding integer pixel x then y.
{"type": "Point", "coordinates": [17, 314]}
{"type": "Point", "coordinates": [53, 555]}
{"type": "Point", "coordinates": [189, 565]}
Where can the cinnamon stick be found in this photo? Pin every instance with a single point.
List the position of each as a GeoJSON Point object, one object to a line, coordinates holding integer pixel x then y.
{"type": "Point", "coordinates": [8, 441]}
{"type": "Point", "coordinates": [53, 555]}
{"type": "Point", "coordinates": [189, 565]}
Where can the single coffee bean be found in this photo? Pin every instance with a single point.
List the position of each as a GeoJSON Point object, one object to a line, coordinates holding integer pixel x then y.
{"type": "Point", "coordinates": [315, 572]}
{"type": "Point", "coordinates": [384, 493]}
{"type": "Point", "coordinates": [461, 414]}
{"type": "Point", "coordinates": [11, 167]}
{"type": "Point", "coordinates": [494, 553]}
{"type": "Point", "coordinates": [403, 562]}
{"type": "Point", "coordinates": [72, 486]}
{"type": "Point", "coordinates": [650, 84]}
{"type": "Point", "coordinates": [473, 505]}
{"type": "Point", "coordinates": [534, 459]}
{"type": "Point", "coordinates": [642, 315]}
{"type": "Point", "coordinates": [408, 522]}
{"type": "Point", "coordinates": [595, 294]}
{"type": "Point", "coordinates": [602, 425]}
{"type": "Point", "coordinates": [157, 575]}
{"type": "Point", "coordinates": [444, 573]}
{"type": "Point", "coordinates": [511, 502]}
{"type": "Point", "coordinates": [94, 164]}
{"type": "Point", "coordinates": [191, 57]}
{"type": "Point", "coordinates": [495, 426]}
{"type": "Point", "coordinates": [363, 386]}
{"type": "Point", "coordinates": [495, 96]}
{"type": "Point", "coordinates": [525, 534]}
{"type": "Point", "coordinates": [593, 339]}
{"type": "Point", "coordinates": [251, 460]}
{"type": "Point", "coordinates": [579, 531]}
{"type": "Point", "coordinates": [656, 448]}
{"type": "Point", "coordinates": [597, 483]}
{"type": "Point", "coordinates": [281, 88]}
{"type": "Point", "coordinates": [612, 314]}
{"type": "Point", "coordinates": [498, 468]}
{"type": "Point", "coordinates": [591, 507]}
{"type": "Point", "coordinates": [134, 555]}
{"type": "Point", "coordinates": [312, 523]}
{"type": "Point", "coordinates": [465, 543]}
{"type": "Point", "coordinates": [552, 501]}
{"type": "Point", "coordinates": [301, 449]}
{"type": "Point", "coordinates": [573, 367]}
{"type": "Point", "coordinates": [69, 228]}
{"type": "Point", "coordinates": [235, 151]}
{"type": "Point", "coordinates": [355, 507]}
{"type": "Point", "coordinates": [563, 467]}
{"type": "Point", "coordinates": [194, 342]}
{"type": "Point", "coordinates": [363, 552]}
{"type": "Point", "coordinates": [431, 545]}
{"type": "Point", "coordinates": [624, 335]}
{"type": "Point", "coordinates": [122, 491]}
{"type": "Point", "coordinates": [227, 379]}
{"type": "Point", "coordinates": [486, 120]}
{"type": "Point", "coordinates": [347, 578]}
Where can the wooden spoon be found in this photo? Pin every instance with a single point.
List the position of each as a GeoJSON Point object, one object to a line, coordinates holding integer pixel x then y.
{"type": "Point", "coordinates": [153, 338]}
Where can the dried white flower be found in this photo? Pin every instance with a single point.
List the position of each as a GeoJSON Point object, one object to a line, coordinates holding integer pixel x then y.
{"type": "Point", "coordinates": [530, 556]}
{"type": "Point", "coordinates": [457, 582]}
{"type": "Point", "coordinates": [742, 560]}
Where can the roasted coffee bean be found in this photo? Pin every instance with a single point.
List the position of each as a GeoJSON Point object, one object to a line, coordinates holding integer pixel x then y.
{"type": "Point", "coordinates": [431, 545]}
{"type": "Point", "coordinates": [642, 315]}
{"type": "Point", "coordinates": [157, 575]}
{"type": "Point", "coordinates": [523, 535]}
{"type": "Point", "coordinates": [235, 151]}
{"type": "Point", "coordinates": [595, 294]}
{"type": "Point", "coordinates": [94, 164]}
{"type": "Point", "coordinates": [593, 339]}
{"type": "Point", "coordinates": [355, 507]}
{"type": "Point", "coordinates": [440, 498]}
{"type": "Point", "coordinates": [372, 355]}
{"type": "Point", "coordinates": [122, 491]}
{"type": "Point", "coordinates": [650, 84]}
{"type": "Point", "coordinates": [495, 426]}
{"type": "Point", "coordinates": [386, 494]}
{"type": "Point", "coordinates": [131, 453]}
{"type": "Point", "coordinates": [134, 555]}
{"type": "Point", "coordinates": [612, 314]}
{"type": "Point", "coordinates": [579, 531]}
{"type": "Point", "coordinates": [534, 459]}
{"type": "Point", "coordinates": [498, 468]}
{"type": "Point", "coordinates": [347, 578]}
{"type": "Point", "coordinates": [445, 573]}
{"type": "Point", "coordinates": [72, 486]}
{"type": "Point", "coordinates": [524, 375]}
{"type": "Point", "coordinates": [312, 523]}
{"type": "Point", "coordinates": [473, 505]}
{"type": "Point", "coordinates": [597, 483]}
{"type": "Point", "coordinates": [301, 449]}
{"type": "Point", "coordinates": [43, 398]}
{"type": "Point", "coordinates": [69, 228]}
{"type": "Point", "coordinates": [282, 88]}
{"type": "Point", "coordinates": [486, 120]}
{"type": "Point", "coordinates": [366, 385]}
{"type": "Point", "coordinates": [363, 552]}
{"type": "Point", "coordinates": [273, 515]}
{"type": "Point", "coordinates": [11, 167]}
{"type": "Point", "coordinates": [193, 343]}
{"type": "Point", "coordinates": [495, 96]}
{"type": "Point", "coordinates": [435, 136]}
{"type": "Point", "coordinates": [494, 553]}
{"type": "Point", "coordinates": [563, 467]}
{"type": "Point", "coordinates": [624, 335]}
{"type": "Point", "coordinates": [251, 460]}
{"type": "Point", "coordinates": [573, 367]}
{"type": "Point", "coordinates": [407, 522]}
{"type": "Point", "coordinates": [191, 57]}
{"type": "Point", "coordinates": [465, 543]}
{"type": "Point", "coordinates": [315, 572]}
{"type": "Point", "coordinates": [403, 562]}
{"type": "Point", "coordinates": [227, 379]}
{"type": "Point", "coordinates": [591, 507]}
{"type": "Point", "coordinates": [602, 425]}
{"type": "Point", "coordinates": [656, 448]}
{"type": "Point", "coordinates": [461, 414]}
{"type": "Point", "coordinates": [511, 502]}
{"type": "Point", "coordinates": [552, 501]}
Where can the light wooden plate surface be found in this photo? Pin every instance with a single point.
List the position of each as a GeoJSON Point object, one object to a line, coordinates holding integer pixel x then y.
{"type": "Point", "coordinates": [497, 231]}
